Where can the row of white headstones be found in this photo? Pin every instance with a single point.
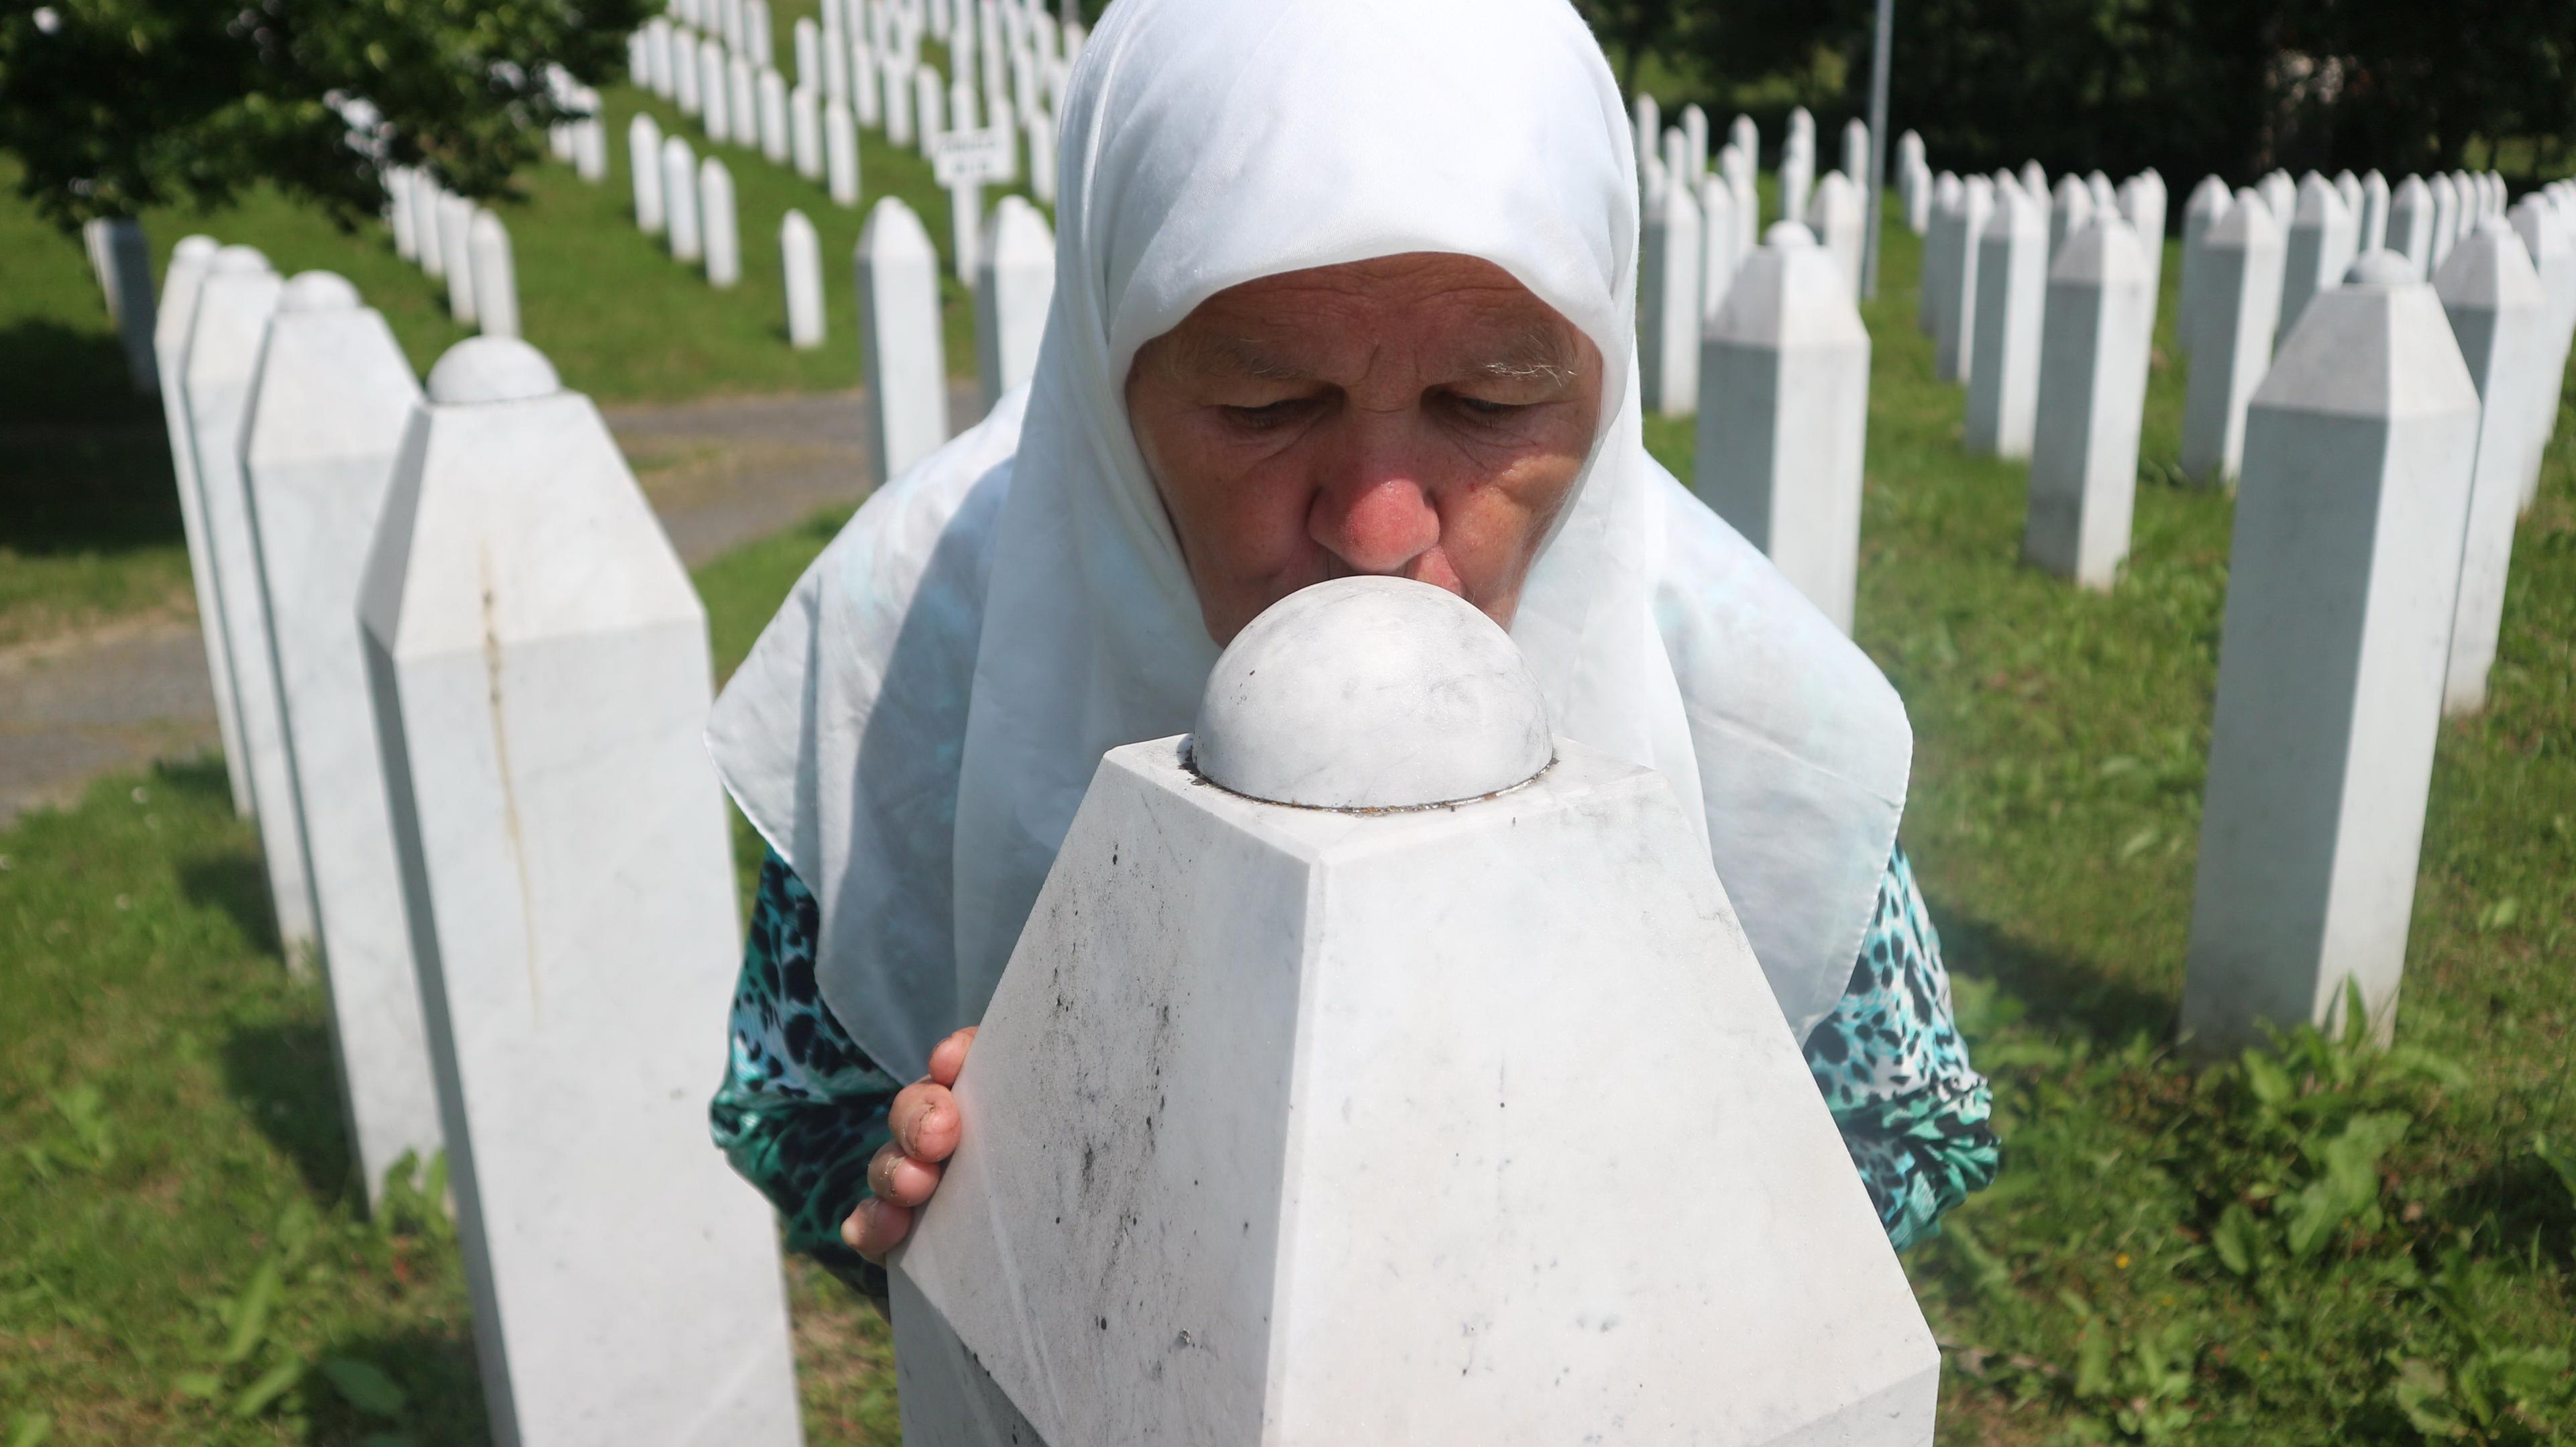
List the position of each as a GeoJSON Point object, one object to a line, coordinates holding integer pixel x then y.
{"type": "Point", "coordinates": [463, 681]}
{"type": "Point", "coordinates": [2377, 369]}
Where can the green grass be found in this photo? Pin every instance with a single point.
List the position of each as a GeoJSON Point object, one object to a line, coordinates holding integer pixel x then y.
{"type": "Point", "coordinates": [2321, 1244]}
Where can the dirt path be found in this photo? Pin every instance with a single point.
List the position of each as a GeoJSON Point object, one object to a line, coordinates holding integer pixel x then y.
{"type": "Point", "coordinates": [719, 473]}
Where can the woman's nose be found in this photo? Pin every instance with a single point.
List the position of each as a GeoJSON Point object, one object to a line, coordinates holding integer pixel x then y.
{"type": "Point", "coordinates": [1378, 516]}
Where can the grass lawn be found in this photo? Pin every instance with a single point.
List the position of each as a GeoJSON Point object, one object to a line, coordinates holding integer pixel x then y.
{"type": "Point", "coordinates": [2317, 1244]}
{"type": "Point", "coordinates": [89, 521]}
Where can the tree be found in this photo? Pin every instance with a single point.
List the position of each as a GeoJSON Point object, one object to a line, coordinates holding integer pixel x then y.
{"type": "Point", "coordinates": [113, 106]}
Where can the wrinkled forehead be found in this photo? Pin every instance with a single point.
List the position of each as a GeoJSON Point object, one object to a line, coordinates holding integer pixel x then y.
{"type": "Point", "coordinates": [1214, 143]}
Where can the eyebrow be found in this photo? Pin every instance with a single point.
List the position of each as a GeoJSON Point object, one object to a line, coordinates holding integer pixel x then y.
{"type": "Point", "coordinates": [1537, 351]}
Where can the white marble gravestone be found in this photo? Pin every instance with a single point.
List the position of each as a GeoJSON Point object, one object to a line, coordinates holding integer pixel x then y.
{"type": "Point", "coordinates": [2348, 188]}
{"type": "Point", "coordinates": [1855, 153]}
{"type": "Point", "coordinates": [538, 666]}
{"type": "Point", "coordinates": [1796, 176]}
{"type": "Point", "coordinates": [1669, 262]}
{"type": "Point", "coordinates": [2143, 201]}
{"type": "Point", "coordinates": [1646, 123]}
{"type": "Point", "coordinates": [742, 93]}
{"type": "Point", "coordinates": [808, 39]}
{"type": "Point", "coordinates": [2410, 224]}
{"type": "Point", "coordinates": [181, 286]}
{"type": "Point", "coordinates": [1014, 286]}
{"type": "Point", "coordinates": [2034, 180]}
{"type": "Point", "coordinates": [805, 131]}
{"type": "Point", "coordinates": [1955, 326]}
{"type": "Point", "coordinates": [233, 309]}
{"type": "Point", "coordinates": [715, 92]}
{"type": "Point", "coordinates": [1694, 127]}
{"type": "Point", "coordinates": [897, 93]}
{"type": "Point", "coordinates": [1042, 156]}
{"type": "Point", "coordinates": [929, 108]}
{"type": "Point", "coordinates": [899, 338]}
{"type": "Point", "coordinates": [2341, 580]}
{"type": "Point", "coordinates": [2446, 219]}
{"type": "Point", "coordinates": [800, 259]}
{"type": "Point", "coordinates": [455, 239]}
{"type": "Point", "coordinates": [2070, 210]}
{"type": "Point", "coordinates": [771, 95]}
{"type": "Point", "coordinates": [2012, 291]}
{"type": "Point", "coordinates": [2498, 314]}
{"type": "Point", "coordinates": [128, 256]}
{"type": "Point", "coordinates": [840, 155]}
{"type": "Point", "coordinates": [1234, 1030]}
{"type": "Point", "coordinates": [496, 275]}
{"type": "Point", "coordinates": [720, 230]}
{"type": "Point", "coordinates": [400, 214]}
{"type": "Point", "coordinates": [688, 72]}
{"type": "Point", "coordinates": [2209, 201]}
{"type": "Point", "coordinates": [644, 160]}
{"type": "Point", "coordinates": [2092, 399]}
{"type": "Point", "coordinates": [1717, 233]}
{"type": "Point", "coordinates": [1834, 215]}
{"type": "Point", "coordinates": [2373, 234]}
{"type": "Point", "coordinates": [326, 422]}
{"type": "Point", "coordinates": [2281, 195]}
{"type": "Point", "coordinates": [1939, 236]}
{"type": "Point", "coordinates": [2319, 250]}
{"type": "Point", "coordinates": [680, 199]}
{"type": "Point", "coordinates": [2232, 329]}
{"type": "Point", "coordinates": [2548, 233]}
{"type": "Point", "coordinates": [1784, 416]}
{"type": "Point", "coordinates": [590, 141]}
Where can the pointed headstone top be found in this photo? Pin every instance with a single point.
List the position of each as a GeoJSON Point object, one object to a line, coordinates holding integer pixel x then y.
{"type": "Point", "coordinates": [2379, 268]}
{"type": "Point", "coordinates": [2489, 270]}
{"type": "Point", "coordinates": [1371, 693]}
{"type": "Point", "coordinates": [492, 369]}
{"type": "Point", "coordinates": [2378, 346]}
{"type": "Point", "coordinates": [2319, 202]}
{"type": "Point", "coordinates": [318, 291]}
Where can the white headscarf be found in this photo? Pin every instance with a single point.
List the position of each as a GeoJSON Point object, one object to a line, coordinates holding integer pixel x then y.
{"type": "Point", "coordinates": [915, 729]}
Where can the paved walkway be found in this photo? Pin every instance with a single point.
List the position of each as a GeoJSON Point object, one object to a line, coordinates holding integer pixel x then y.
{"type": "Point", "coordinates": [720, 474]}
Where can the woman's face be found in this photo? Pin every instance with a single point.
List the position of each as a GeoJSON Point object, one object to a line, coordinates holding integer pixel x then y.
{"type": "Point", "coordinates": [1417, 416]}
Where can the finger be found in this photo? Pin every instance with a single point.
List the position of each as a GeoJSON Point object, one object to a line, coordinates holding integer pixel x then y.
{"type": "Point", "coordinates": [949, 1056]}
{"type": "Point", "coordinates": [900, 1180]}
{"type": "Point", "coordinates": [926, 1121]}
{"type": "Point", "coordinates": [875, 1229]}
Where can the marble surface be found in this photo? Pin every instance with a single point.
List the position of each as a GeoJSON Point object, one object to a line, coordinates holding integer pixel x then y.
{"type": "Point", "coordinates": [840, 155]}
{"type": "Point", "coordinates": [2012, 290]}
{"type": "Point", "coordinates": [2070, 209]}
{"type": "Point", "coordinates": [2324, 238]}
{"type": "Point", "coordinates": [1718, 234]}
{"type": "Point", "coordinates": [719, 229]}
{"type": "Point", "coordinates": [1258, 1074]}
{"type": "Point", "coordinates": [1940, 234]}
{"type": "Point", "coordinates": [1834, 215]}
{"type": "Point", "coordinates": [538, 665]}
{"type": "Point", "coordinates": [333, 398]}
{"type": "Point", "coordinates": [455, 239]}
{"type": "Point", "coordinates": [805, 131]}
{"type": "Point", "coordinates": [496, 275]}
{"type": "Point", "coordinates": [1784, 417]}
{"type": "Point", "coordinates": [775, 143]}
{"type": "Point", "coordinates": [644, 166]}
{"type": "Point", "coordinates": [1014, 287]}
{"type": "Point", "coordinates": [899, 335]}
{"type": "Point", "coordinates": [2410, 224]}
{"type": "Point", "coordinates": [233, 309]}
{"type": "Point", "coordinates": [2231, 327]}
{"type": "Point", "coordinates": [2341, 579]}
{"type": "Point", "coordinates": [1668, 304]}
{"type": "Point", "coordinates": [715, 107]}
{"type": "Point", "coordinates": [1955, 326]}
{"type": "Point", "coordinates": [2092, 402]}
{"type": "Point", "coordinates": [2208, 202]}
{"type": "Point", "coordinates": [181, 285]}
{"type": "Point", "coordinates": [1370, 693]}
{"type": "Point", "coordinates": [680, 200]}
{"type": "Point", "coordinates": [2548, 233]}
{"type": "Point", "coordinates": [800, 269]}
{"type": "Point", "coordinates": [427, 199]}
{"type": "Point", "coordinates": [2499, 315]}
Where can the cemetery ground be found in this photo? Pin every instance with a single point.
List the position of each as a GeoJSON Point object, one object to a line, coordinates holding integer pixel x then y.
{"type": "Point", "coordinates": [2316, 1243]}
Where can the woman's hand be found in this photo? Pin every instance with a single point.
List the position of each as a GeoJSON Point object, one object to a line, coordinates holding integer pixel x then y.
{"type": "Point", "coordinates": [906, 1170]}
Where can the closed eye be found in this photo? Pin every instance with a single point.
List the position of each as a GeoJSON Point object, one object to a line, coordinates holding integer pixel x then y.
{"type": "Point", "coordinates": [1270, 415]}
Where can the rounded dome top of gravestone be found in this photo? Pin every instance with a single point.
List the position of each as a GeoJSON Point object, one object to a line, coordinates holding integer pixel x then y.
{"type": "Point", "coordinates": [1788, 233]}
{"type": "Point", "coordinates": [238, 261]}
{"type": "Point", "coordinates": [1371, 693]}
{"type": "Point", "coordinates": [2379, 268]}
{"type": "Point", "coordinates": [318, 291]}
{"type": "Point", "coordinates": [194, 248]}
{"type": "Point", "coordinates": [492, 369]}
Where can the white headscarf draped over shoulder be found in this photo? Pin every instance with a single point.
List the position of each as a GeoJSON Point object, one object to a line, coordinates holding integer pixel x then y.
{"type": "Point", "coordinates": [915, 729]}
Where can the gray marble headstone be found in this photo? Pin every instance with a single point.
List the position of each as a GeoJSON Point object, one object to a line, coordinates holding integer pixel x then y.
{"type": "Point", "coordinates": [1834, 215]}
{"type": "Point", "coordinates": [2548, 233]}
{"type": "Point", "coordinates": [805, 131]}
{"type": "Point", "coordinates": [1955, 334]}
{"type": "Point", "coordinates": [539, 671]}
{"type": "Point", "coordinates": [1668, 301]}
{"type": "Point", "coordinates": [715, 92]}
{"type": "Point", "coordinates": [2209, 201]}
{"type": "Point", "coordinates": [326, 424]}
{"type": "Point", "coordinates": [2374, 214]}
{"type": "Point", "coordinates": [1014, 287]}
{"type": "Point", "coordinates": [776, 145]}
{"type": "Point", "coordinates": [680, 200]}
{"type": "Point", "coordinates": [2092, 399]}
{"type": "Point", "coordinates": [2319, 250]}
{"type": "Point", "coordinates": [233, 310]}
{"type": "Point", "coordinates": [2070, 210]}
{"type": "Point", "coordinates": [900, 340]}
{"type": "Point", "coordinates": [840, 155]}
{"type": "Point", "coordinates": [1941, 209]}
{"type": "Point", "coordinates": [2341, 580]}
{"type": "Point", "coordinates": [1717, 234]}
{"type": "Point", "coordinates": [2498, 314]}
{"type": "Point", "coordinates": [644, 161]}
{"type": "Point", "coordinates": [2410, 224]}
{"type": "Point", "coordinates": [127, 255]}
{"type": "Point", "coordinates": [2012, 291]}
{"type": "Point", "coordinates": [721, 231]}
{"type": "Point", "coordinates": [1784, 416]}
{"type": "Point", "coordinates": [2238, 309]}
{"type": "Point", "coordinates": [181, 287]}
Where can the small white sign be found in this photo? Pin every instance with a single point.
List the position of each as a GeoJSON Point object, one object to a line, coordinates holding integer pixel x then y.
{"type": "Point", "coordinates": [985, 155]}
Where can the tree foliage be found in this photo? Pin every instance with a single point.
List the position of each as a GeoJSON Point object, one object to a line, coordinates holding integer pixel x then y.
{"type": "Point", "coordinates": [2189, 86]}
{"type": "Point", "coordinates": [113, 106]}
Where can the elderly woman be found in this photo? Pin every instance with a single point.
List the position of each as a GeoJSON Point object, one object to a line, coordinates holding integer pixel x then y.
{"type": "Point", "coordinates": [1342, 288]}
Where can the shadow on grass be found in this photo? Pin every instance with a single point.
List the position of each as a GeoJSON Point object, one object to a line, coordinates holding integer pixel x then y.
{"type": "Point", "coordinates": [2055, 993]}
{"type": "Point", "coordinates": [283, 1078]}
{"type": "Point", "coordinates": [441, 1391]}
{"type": "Point", "coordinates": [62, 374]}
{"type": "Point", "coordinates": [2518, 1198]}
{"type": "Point", "coordinates": [237, 885]}
{"type": "Point", "coordinates": [86, 487]}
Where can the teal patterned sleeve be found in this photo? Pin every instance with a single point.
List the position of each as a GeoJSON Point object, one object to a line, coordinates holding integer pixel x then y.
{"type": "Point", "coordinates": [1895, 1073]}
{"type": "Point", "coordinates": [802, 1108]}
